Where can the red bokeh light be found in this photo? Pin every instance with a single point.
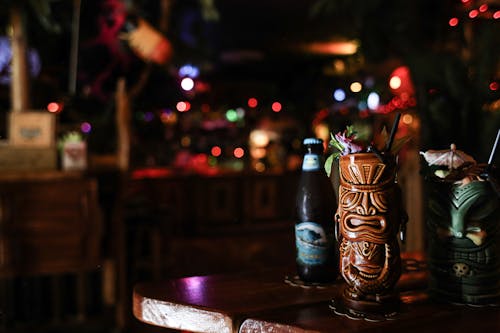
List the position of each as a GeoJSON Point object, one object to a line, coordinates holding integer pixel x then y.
{"type": "Point", "coordinates": [238, 152]}
{"type": "Point", "coordinates": [54, 107]}
{"type": "Point", "coordinates": [216, 151]}
{"type": "Point", "coordinates": [183, 106]}
{"type": "Point", "coordinates": [494, 86]}
{"type": "Point", "coordinates": [276, 106]}
{"type": "Point", "coordinates": [252, 102]}
{"type": "Point", "coordinates": [453, 22]}
{"type": "Point", "coordinates": [473, 13]}
{"type": "Point", "coordinates": [483, 8]}
{"type": "Point", "coordinates": [496, 14]}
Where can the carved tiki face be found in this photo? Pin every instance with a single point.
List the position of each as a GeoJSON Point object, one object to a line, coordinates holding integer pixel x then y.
{"type": "Point", "coordinates": [369, 216]}
{"type": "Point", "coordinates": [463, 221]}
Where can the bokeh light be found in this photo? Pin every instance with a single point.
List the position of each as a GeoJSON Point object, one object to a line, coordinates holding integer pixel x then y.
{"type": "Point", "coordinates": [54, 107]}
{"type": "Point", "coordinates": [473, 13]}
{"type": "Point", "coordinates": [259, 138]}
{"type": "Point", "coordinates": [395, 82]}
{"type": "Point", "coordinates": [187, 84]}
{"type": "Point", "coordinates": [252, 102]}
{"type": "Point", "coordinates": [231, 115]}
{"type": "Point", "coordinates": [407, 118]}
{"type": "Point", "coordinates": [453, 22]}
{"type": "Point", "coordinates": [238, 152]}
{"type": "Point", "coordinates": [356, 87]}
{"type": "Point", "coordinates": [85, 127]}
{"type": "Point", "coordinates": [276, 106]}
{"type": "Point", "coordinates": [183, 106]}
{"type": "Point", "coordinates": [339, 95]}
{"type": "Point", "coordinates": [373, 101]}
{"type": "Point", "coordinates": [189, 71]}
{"type": "Point", "coordinates": [216, 151]}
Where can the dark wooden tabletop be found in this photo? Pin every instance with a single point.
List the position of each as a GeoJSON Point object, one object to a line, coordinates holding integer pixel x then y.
{"type": "Point", "coordinates": [261, 301]}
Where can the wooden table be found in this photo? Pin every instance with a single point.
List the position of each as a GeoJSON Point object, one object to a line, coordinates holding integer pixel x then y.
{"type": "Point", "coordinates": [261, 301]}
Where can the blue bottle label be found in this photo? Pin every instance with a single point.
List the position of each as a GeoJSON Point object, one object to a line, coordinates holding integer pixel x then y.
{"type": "Point", "coordinates": [313, 243]}
{"type": "Point", "coordinates": [311, 162]}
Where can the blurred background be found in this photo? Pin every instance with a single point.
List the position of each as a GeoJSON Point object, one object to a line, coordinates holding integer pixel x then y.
{"type": "Point", "coordinates": [234, 67]}
{"type": "Point", "coordinates": [204, 103]}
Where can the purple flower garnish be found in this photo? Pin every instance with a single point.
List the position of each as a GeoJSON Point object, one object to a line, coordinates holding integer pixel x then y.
{"type": "Point", "coordinates": [348, 144]}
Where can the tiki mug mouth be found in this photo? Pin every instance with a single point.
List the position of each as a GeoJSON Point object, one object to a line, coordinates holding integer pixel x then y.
{"type": "Point", "coordinates": [366, 272]}
{"type": "Point", "coordinates": [370, 228]}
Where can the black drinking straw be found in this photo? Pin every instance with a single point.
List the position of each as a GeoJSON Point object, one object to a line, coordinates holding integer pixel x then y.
{"type": "Point", "coordinates": [393, 132]}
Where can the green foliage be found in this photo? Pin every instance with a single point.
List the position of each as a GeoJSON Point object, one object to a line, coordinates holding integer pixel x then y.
{"type": "Point", "coordinates": [347, 142]}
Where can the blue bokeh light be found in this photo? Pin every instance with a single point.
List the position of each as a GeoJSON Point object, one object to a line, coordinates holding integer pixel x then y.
{"type": "Point", "coordinates": [339, 95]}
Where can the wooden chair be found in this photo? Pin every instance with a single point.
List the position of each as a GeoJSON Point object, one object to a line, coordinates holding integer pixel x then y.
{"type": "Point", "coordinates": [50, 245]}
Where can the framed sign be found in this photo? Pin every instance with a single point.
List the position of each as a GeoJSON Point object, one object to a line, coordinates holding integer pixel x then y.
{"type": "Point", "coordinates": [32, 128]}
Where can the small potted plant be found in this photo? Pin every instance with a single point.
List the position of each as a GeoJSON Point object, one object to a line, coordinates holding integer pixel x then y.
{"type": "Point", "coordinates": [73, 149]}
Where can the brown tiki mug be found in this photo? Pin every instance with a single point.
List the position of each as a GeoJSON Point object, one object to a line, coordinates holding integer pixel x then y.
{"type": "Point", "coordinates": [369, 216]}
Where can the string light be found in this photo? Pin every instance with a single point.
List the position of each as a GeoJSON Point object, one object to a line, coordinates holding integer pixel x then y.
{"type": "Point", "coordinates": [482, 11]}
{"type": "Point", "coordinates": [473, 13]}
{"type": "Point", "coordinates": [453, 22]}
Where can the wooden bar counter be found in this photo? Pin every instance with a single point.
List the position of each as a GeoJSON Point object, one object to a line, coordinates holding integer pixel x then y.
{"type": "Point", "coordinates": [261, 301]}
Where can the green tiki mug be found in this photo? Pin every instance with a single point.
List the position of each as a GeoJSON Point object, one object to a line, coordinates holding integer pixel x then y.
{"type": "Point", "coordinates": [463, 222]}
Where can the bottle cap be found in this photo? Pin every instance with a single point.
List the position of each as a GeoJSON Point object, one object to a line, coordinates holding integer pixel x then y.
{"type": "Point", "coordinates": [312, 141]}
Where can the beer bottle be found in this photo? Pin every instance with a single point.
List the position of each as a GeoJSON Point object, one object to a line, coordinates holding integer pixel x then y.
{"type": "Point", "coordinates": [316, 256]}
